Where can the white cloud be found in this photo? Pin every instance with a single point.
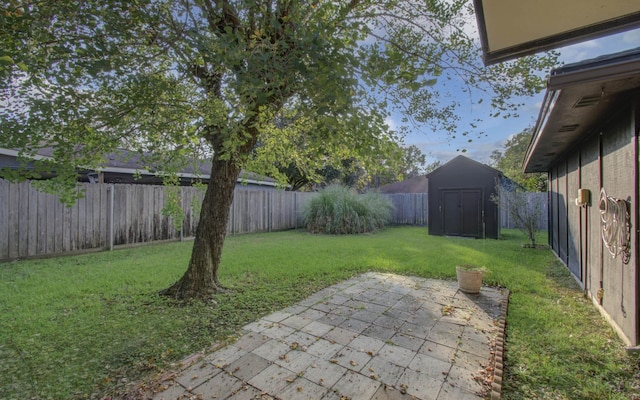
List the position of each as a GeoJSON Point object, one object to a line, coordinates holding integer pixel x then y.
{"type": "Point", "coordinates": [632, 37]}
{"type": "Point", "coordinates": [392, 124]}
{"type": "Point", "coordinates": [580, 51]}
{"type": "Point", "coordinates": [605, 45]}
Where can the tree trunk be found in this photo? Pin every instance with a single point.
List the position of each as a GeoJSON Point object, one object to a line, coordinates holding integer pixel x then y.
{"type": "Point", "coordinates": [201, 278]}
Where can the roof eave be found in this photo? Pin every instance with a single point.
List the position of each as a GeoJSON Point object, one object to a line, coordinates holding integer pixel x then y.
{"type": "Point", "coordinates": [582, 74]}
{"type": "Point", "coordinates": [606, 72]}
{"type": "Point", "coordinates": [550, 98]}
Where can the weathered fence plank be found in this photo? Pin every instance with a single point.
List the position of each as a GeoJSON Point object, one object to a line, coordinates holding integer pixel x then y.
{"type": "Point", "coordinates": [4, 219]}
{"type": "Point", "coordinates": [23, 220]}
{"type": "Point", "coordinates": [14, 225]}
{"type": "Point", "coordinates": [409, 208]}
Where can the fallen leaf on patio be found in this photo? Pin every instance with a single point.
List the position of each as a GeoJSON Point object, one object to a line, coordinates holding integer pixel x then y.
{"type": "Point", "coordinates": [403, 388]}
{"type": "Point", "coordinates": [353, 363]}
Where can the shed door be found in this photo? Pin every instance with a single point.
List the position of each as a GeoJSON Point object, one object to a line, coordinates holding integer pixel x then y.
{"type": "Point", "coordinates": [461, 212]}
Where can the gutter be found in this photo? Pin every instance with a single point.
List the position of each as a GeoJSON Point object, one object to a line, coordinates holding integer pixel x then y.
{"type": "Point", "coordinates": [549, 102]}
{"type": "Point", "coordinates": [573, 75]}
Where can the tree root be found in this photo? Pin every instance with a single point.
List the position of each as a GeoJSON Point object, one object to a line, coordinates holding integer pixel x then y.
{"type": "Point", "coordinates": [201, 291]}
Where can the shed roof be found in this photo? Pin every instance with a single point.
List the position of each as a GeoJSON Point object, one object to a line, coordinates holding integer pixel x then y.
{"type": "Point", "coordinates": [462, 160]}
{"type": "Point", "coordinates": [577, 97]}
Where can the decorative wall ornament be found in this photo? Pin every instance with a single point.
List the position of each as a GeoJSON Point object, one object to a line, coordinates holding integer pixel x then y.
{"type": "Point", "coordinates": [616, 226]}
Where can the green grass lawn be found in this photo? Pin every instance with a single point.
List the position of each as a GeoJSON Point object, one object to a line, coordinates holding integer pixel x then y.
{"type": "Point", "coordinates": [86, 326]}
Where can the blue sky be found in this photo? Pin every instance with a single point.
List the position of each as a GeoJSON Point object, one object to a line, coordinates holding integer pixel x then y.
{"type": "Point", "coordinates": [437, 146]}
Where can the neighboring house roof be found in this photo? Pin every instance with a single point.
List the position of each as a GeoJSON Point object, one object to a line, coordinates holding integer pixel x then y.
{"type": "Point", "coordinates": [577, 97]}
{"type": "Point", "coordinates": [125, 163]}
{"type": "Point", "coordinates": [417, 184]}
{"type": "Point", "coordinates": [462, 160]}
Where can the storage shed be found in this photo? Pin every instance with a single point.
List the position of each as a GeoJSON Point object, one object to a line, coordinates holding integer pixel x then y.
{"type": "Point", "coordinates": [460, 199]}
{"type": "Point", "coordinates": [586, 139]}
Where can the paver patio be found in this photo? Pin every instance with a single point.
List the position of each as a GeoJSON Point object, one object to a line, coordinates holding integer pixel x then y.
{"type": "Point", "coordinates": [373, 337]}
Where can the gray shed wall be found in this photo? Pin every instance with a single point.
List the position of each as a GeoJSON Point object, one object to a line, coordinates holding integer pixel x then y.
{"type": "Point", "coordinates": [464, 174]}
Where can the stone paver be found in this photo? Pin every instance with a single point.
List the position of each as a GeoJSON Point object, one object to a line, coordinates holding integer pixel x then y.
{"type": "Point", "coordinates": [374, 337]}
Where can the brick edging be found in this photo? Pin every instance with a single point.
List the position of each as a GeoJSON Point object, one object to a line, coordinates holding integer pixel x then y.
{"type": "Point", "coordinates": [498, 367]}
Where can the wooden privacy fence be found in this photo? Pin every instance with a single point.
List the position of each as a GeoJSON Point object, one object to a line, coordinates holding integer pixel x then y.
{"type": "Point", "coordinates": [409, 208]}
{"type": "Point", "coordinates": [33, 223]}
{"type": "Point", "coordinates": [534, 200]}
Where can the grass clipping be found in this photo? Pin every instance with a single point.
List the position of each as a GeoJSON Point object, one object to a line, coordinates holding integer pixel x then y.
{"type": "Point", "coordinates": [337, 210]}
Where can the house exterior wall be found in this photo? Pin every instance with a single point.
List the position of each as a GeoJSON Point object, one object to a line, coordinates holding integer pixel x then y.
{"type": "Point", "coordinates": [607, 159]}
{"type": "Point", "coordinates": [574, 219]}
{"type": "Point", "coordinates": [8, 161]}
{"type": "Point", "coordinates": [591, 242]}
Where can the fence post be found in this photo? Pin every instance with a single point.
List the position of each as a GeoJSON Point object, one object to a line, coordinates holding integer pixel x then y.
{"type": "Point", "coordinates": [182, 208]}
{"type": "Point", "coordinates": [111, 189]}
{"type": "Point", "coordinates": [233, 211]}
{"type": "Point", "coordinates": [269, 211]}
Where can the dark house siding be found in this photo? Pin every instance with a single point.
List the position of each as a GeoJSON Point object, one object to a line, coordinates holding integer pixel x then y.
{"type": "Point", "coordinates": [587, 137]}
{"type": "Point", "coordinates": [563, 202]}
{"type": "Point", "coordinates": [618, 178]}
{"type": "Point", "coordinates": [460, 199]}
{"type": "Point", "coordinates": [605, 159]}
{"type": "Point", "coordinates": [574, 219]}
{"type": "Point", "coordinates": [592, 243]}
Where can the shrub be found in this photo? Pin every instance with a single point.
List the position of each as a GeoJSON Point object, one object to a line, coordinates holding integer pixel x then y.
{"type": "Point", "coordinates": [338, 210]}
{"type": "Point", "coordinates": [524, 210]}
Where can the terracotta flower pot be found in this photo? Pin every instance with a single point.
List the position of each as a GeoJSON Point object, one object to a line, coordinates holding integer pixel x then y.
{"type": "Point", "coordinates": [469, 279]}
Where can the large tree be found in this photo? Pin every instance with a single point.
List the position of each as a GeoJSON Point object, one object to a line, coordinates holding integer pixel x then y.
{"type": "Point", "coordinates": [288, 152]}
{"type": "Point", "coordinates": [182, 79]}
{"type": "Point", "coordinates": [510, 161]}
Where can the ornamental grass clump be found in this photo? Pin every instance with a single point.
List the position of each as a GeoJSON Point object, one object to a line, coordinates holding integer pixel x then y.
{"type": "Point", "coordinates": [338, 210]}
